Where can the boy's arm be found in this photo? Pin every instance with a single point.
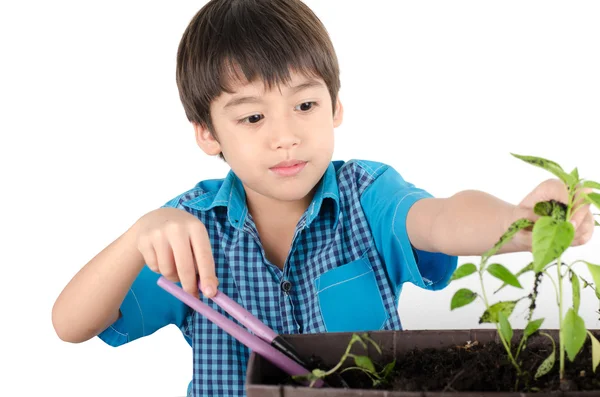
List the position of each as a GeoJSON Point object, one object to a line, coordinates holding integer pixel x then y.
{"type": "Point", "coordinates": [91, 300]}
{"type": "Point", "coordinates": [386, 201]}
{"type": "Point", "coordinates": [116, 297]}
{"type": "Point", "coordinates": [466, 224]}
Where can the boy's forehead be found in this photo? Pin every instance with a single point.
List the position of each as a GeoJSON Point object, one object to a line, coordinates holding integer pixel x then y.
{"type": "Point", "coordinates": [237, 85]}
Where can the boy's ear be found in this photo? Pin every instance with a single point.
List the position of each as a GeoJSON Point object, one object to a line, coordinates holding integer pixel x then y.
{"type": "Point", "coordinates": [206, 140]}
{"type": "Point", "coordinates": [338, 115]}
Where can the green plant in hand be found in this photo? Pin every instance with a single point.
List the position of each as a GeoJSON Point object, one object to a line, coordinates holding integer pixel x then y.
{"type": "Point", "coordinates": [362, 363]}
{"type": "Point", "coordinates": [552, 234]}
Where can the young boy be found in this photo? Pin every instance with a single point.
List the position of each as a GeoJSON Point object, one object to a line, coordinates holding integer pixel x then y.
{"type": "Point", "coordinates": [304, 243]}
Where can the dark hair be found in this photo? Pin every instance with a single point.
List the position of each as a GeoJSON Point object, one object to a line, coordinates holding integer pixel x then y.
{"type": "Point", "coordinates": [245, 40]}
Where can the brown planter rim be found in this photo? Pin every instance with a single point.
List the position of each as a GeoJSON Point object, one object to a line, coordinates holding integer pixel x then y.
{"type": "Point", "coordinates": [331, 345]}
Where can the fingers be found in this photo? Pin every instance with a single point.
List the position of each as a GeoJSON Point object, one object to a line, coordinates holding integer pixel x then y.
{"type": "Point", "coordinates": [585, 230]}
{"type": "Point", "coordinates": [581, 215]}
{"type": "Point", "coordinates": [176, 244]}
{"type": "Point", "coordinates": [558, 191]}
{"type": "Point", "coordinates": [549, 189]}
{"type": "Point", "coordinates": [184, 261]}
{"type": "Point", "coordinates": [147, 250]}
{"type": "Point", "coordinates": [582, 219]}
{"type": "Point", "coordinates": [164, 256]}
{"type": "Point", "coordinates": [581, 209]}
{"type": "Point", "coordinates": [204, 260]}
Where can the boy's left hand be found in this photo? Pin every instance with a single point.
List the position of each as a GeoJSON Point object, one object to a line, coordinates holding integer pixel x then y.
{"type": "Point", "coordinates": [555, 189]}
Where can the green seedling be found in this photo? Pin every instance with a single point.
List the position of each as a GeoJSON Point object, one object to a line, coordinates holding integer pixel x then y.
{"type": "Point", "coordinates": [552, 234]}
{"type": "Point", "coordinates": [362, 363]}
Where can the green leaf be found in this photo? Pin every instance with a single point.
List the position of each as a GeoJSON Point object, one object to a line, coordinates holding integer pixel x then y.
{"type": "Point", "coordinates": [574, 333]}
{"type": "Point", "coordinates": [309, 377]}
{"type": "Point", "coordinates": [576, 291]}
{"type": "Point", "coordinates": [546, 366]}
{"type": "Point", "coordinates": [593, 198]}
{"type": "Point", "coordinates": [462, 297]}
{"type": "Point", "coordinates": [532, 326]}
{"type": "Point", "coordinates": [559, 211]}
{"type": "Point", "coordinates": [595, 271]}
{"type": "Point", "coordinates": [588, 284]}
{"type": "Point", "coordinates": [319, 373]}
{"type": "Point", "coordinates": [548, 363]}
{"type": "Point", "coordinates": [552, 208]}
{"type": "Point", "coordinates": [356, 338]}
{"type": "Point", "coordinates": [502, 273]}
{"type": "Point", "coordinates": [595, 351]}
{"type": "Point", "coordinates": [590, 184]}
{"type": "Point", "coordinates": [550, 166]}
{"type": "Point", "coordinates": [366, 337]}
{"type": "Point", "coordinates": [550, 239]}
{"type": "Point", "coordinates": [596, 223]}
{"type": "Point", "coordinates": [491, 314]}
{"type": "Point", "coordinates": [387, 370]}
{"type": "Point", "coordinates": [463, 271]}
{"type": "Point", "coordinates": [505, 329]}
{"type": "Point", "coordinates": [366, 371]}
{"type": "Point", "coordinates": [575, 173]}
{"type": "Point", "coordinates": [513, 229]}
{"type": "Point", "coordinates": [365, 362]}
{"type": "Point", "coordinates": [543, 208]}
{"type": "Point", "coordinates": [526, 269]}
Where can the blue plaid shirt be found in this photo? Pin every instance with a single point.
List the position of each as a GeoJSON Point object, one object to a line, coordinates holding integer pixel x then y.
{"type": "Point", "coordinates": [349, 257]}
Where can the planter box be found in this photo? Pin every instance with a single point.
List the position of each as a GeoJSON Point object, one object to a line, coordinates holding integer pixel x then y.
{"type": "Point", "coordinates": [264, 379]}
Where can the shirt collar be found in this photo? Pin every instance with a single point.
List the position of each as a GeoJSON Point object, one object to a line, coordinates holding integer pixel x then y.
{"type": "Point", "coordinates": [326, 189]}
{"type": "Point", "coordinates": [231, 194]}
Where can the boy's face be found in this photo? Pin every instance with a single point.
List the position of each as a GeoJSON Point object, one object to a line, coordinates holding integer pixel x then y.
{"type": "Point", "coordinates": [279, 142]}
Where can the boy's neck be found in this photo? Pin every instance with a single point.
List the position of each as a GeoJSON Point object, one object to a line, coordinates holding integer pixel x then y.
{"type": "Point", "coordinates": [276, 222]}
{"type": "Point", "coordinates": [266, 210]}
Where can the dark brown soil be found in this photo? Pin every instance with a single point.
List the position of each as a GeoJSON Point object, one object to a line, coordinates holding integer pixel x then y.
{"type": "Point", "coordinates": [478, 368]}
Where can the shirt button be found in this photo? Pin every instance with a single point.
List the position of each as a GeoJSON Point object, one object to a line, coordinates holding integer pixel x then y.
{"type": "Point", "coordinates": [286, 286]}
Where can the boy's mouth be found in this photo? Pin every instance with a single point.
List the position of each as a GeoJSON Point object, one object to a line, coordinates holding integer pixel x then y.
{"type": "Point", "coordinates": [288, 167]}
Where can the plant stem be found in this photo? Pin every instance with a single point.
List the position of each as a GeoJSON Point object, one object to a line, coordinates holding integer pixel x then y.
{"type": "Point", "coordinates": [339, 364]}
{"type": "Point", "coordinates": [560, 294]}
{"type": "Point", "coordinates": [496, 324]}
{"type": "Point", "coordinates": [578, 207]}
{"type": "Point", "coordinates": [555, 287]}
{"type": "Point", "coordinates": [485, 300]}
{"type": "Point", "coordinates": [560, 323]}
{"type": "Point", "coordinates": [533, 297]}
{"type": "Point", "coordinates": [570, 210]}
{"type": "Point", "coordinates": [573, 263]}
{"type": "Point", "coordinates": [508, 350]}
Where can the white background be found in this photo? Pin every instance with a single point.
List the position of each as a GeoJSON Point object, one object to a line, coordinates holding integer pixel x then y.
{"type": "Point", "coordinates": [94, 136]}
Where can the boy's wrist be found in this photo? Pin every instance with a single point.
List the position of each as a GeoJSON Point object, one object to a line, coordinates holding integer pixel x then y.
{"type": "Point", "coordinates": [130, 246]}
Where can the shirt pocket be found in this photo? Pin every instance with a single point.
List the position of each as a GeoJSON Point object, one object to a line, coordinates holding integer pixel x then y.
{"type": "Point", "coordinates": [349, 298]}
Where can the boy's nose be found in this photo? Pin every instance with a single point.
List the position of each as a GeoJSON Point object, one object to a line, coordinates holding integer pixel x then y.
{"type": "Point", "coordinates": [286, 142]}
{"type": "Point", "coordinates": [284, 137]}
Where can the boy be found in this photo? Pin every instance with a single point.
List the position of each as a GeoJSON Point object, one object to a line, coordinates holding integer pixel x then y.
{"type": "Point", "coordinates": [305, 244]}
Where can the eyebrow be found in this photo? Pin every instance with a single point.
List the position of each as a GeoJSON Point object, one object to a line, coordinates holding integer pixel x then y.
{"type": "Point", "coordinates": [236, 101]}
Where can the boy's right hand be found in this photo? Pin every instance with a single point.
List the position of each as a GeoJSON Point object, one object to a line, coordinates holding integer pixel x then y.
{"type": "Point", "coordinates": [175, 244]}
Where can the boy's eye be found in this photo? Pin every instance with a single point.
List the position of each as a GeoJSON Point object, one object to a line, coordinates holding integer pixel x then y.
{"type": "Point", "coordinates": [255, 118]}
{"type": "Point", "coordinates": [306, 106]}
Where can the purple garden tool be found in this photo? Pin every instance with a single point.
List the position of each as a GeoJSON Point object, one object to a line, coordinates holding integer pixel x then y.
{"type": "Point", "coordinates": [266, 342]}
